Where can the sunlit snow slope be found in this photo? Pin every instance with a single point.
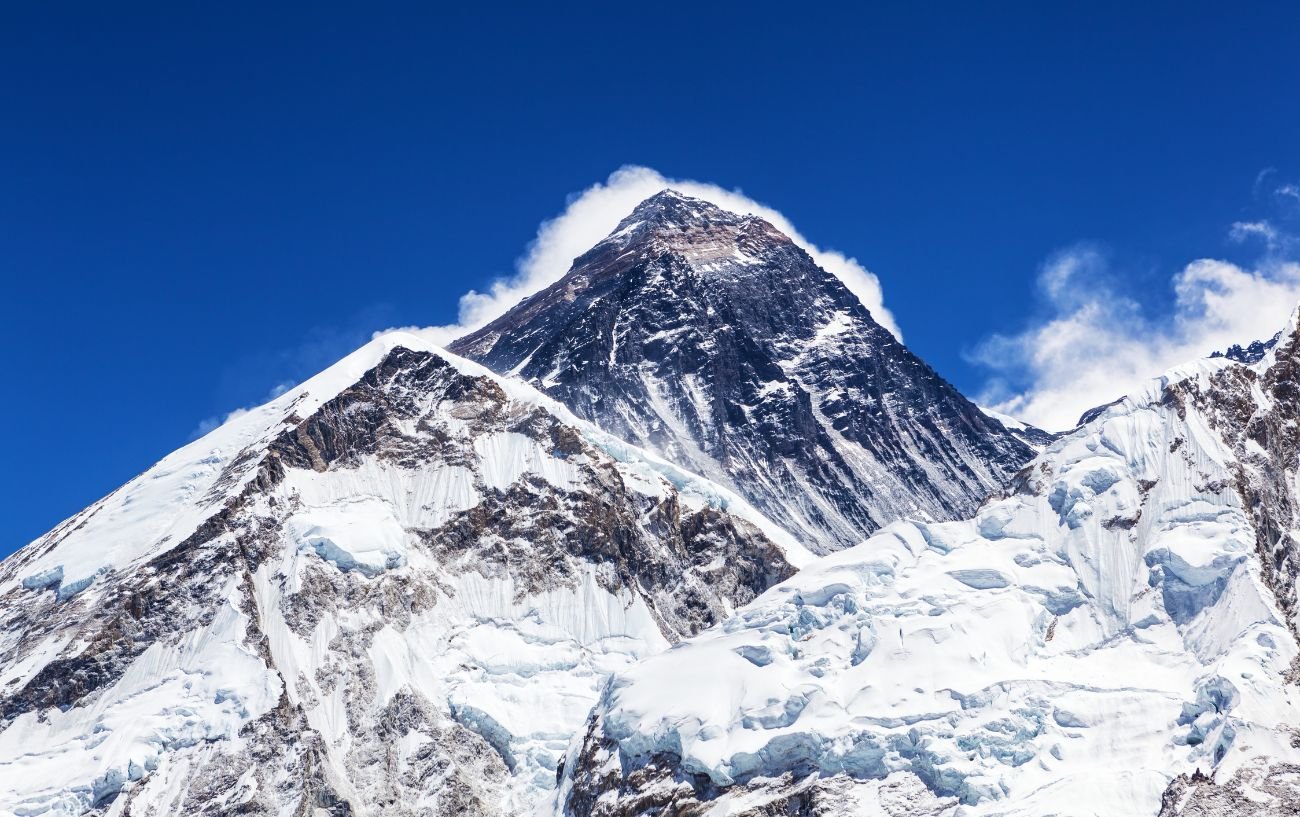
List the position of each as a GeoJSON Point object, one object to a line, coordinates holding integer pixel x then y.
{"type": "Point", "coordinates": [393, 590]}
{"type": "Point", "coordinates": [1114, 638]}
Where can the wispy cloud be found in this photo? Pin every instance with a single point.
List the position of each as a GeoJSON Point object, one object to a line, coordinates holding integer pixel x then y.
{"type": "Point", "coordinates": [1098, 343]}
{"type": "Point", "coordinates": [1260, 179]}
{"type": "Point", "coordinates": [588, 217]}
{"type": "Point", "coordinates": [1243, 231]}
{"type": "Point", "coordinates": [593, 214]}
{"type": "Point", "coordinates": [210, 424]}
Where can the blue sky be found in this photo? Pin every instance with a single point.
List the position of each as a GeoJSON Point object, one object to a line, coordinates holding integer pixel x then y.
{"type": "Point", "coordinates": [201, 202]}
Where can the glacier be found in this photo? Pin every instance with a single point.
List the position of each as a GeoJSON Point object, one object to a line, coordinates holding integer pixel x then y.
{"type": "Point", "coordinates": [1103, 640]}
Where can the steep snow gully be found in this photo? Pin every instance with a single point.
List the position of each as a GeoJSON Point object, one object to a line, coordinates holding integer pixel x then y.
{"type": "Point", "coordinates": [709, 542]}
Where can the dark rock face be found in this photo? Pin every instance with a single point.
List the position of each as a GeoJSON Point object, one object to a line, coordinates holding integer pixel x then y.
{"type": "Point", "coordinates": [1095, 412]}
{"type": "Point", "coordinates": [715, 340]}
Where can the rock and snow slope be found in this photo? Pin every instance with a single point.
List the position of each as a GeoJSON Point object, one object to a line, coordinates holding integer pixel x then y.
{"type": "Point", "coordinates": [1117, 636]}
{"type": "Point", "coordinates": [393, 590]}
{"type": "Point", "coordinates": [714, 340]}
{"type": "Point", "coordinates": [399, 588]}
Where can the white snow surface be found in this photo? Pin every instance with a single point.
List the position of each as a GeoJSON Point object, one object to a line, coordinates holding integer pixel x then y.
{"type": "Point", "coordinates": [521, 668]}
{"type": "Point", "coordinates": [173, 698]}
{"type": "Point", "coordinates": [1067, 651]}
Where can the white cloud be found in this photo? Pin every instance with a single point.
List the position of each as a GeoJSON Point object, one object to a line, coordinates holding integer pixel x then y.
{"type": "Point", "coordinates": [1099, 344]}
{"type": "Point", "coordinates": [1244, 230]}
{"type": "Point", "coordinates": [593, 214]}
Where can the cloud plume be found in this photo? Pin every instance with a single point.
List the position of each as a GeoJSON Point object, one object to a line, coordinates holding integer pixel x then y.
{"type": "Point", "coordinates": [593, 214]}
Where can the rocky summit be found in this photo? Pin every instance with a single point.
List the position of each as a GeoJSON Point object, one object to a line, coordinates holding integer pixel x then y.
{"type": "Point", "coordinates": [714, 340]}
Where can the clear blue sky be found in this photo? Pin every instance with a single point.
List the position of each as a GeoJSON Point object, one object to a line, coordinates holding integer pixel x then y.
{"type": "Point", "coordinates": [201, 200]}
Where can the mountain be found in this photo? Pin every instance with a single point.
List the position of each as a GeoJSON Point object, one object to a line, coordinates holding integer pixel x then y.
{"type": "Point", "coordinates": [714, 340]}
{"type": "Point", "coordinates": [414, 586]}
{"type": "Point", "coordinates": [395, 589]}
{"type": "Point", "coordinates": [1118, 636]}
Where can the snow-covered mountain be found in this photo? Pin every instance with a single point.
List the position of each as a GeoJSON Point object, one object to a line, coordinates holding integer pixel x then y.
{"type": "Point", "coordinates": [714, 340]}
{"type": "Point", "coordinates": [413, 586]}
{"type": "Point", "coordinates": [1116, 636]}
{"type": "Point", "coordinates": [394, 590]}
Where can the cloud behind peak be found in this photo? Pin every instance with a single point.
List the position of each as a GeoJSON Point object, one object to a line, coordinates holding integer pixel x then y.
{"type": "Point", "coordinates": [592, 214]}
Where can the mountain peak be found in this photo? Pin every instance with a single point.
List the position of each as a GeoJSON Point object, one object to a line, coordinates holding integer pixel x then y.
{"type": "Point", "coordinates": [668, 202]}
{"type": "Point", "coordinates": [669, 209]}
{"type": "Point", "coordinates": [713, 339]}
{"type": "Point", "coordinates": [666, 195]}
{"type": "Point", "coordinates": [452, 543]}
{"type": "Point", "coordinates": [707, 237]}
